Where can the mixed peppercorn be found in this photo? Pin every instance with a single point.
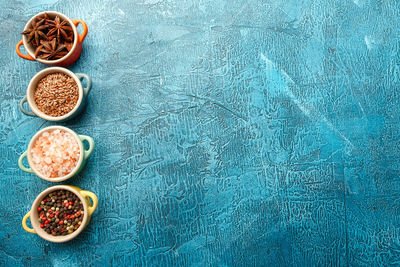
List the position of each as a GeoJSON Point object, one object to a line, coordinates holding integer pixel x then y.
{"type": "Point", "coordinates": [60, 213]}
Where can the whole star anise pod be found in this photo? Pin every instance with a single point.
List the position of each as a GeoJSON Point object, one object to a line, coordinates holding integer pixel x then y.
{"type": "Point", "coordinates": [50, 50]}
{"type": "Point", "coordinates": [60, 29]}
{"type": "Point", "coordinates": [36, 32]}
{"type": "Point", "coordinates": [43, 20]}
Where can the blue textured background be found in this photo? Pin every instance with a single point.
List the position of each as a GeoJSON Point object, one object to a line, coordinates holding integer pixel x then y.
{"type": "Point", "coordinates": [228, 133]}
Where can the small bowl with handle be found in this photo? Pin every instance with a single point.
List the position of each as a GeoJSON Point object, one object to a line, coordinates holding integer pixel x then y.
{"type": "Point", "coordinates": [89, 202]}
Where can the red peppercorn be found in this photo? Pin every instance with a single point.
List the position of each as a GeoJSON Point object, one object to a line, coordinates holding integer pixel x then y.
{"type": "Point", "coordinates": [39, 208]}
{"type": "Point", "coordinates": [50, 211]}
{"type": "Point", "coordinates": [65, 215]}
{"type": "Point", "coordinates": [71, 203]}
{"type": "Point", "coordinates": [78, 213]}
{"type": "Point", "coordinates": [46, 222]}
{"type": "Point", "coordinates": [41, 225]}
{"type": "Point", "coordinates": [45, 200]}
{"type": "Point", "coordinates": [57, 213]}
{"type": "Point", "coordinates": [66, 205]}
{"type": "Point", "coordinates": [42, 214]}
{"type": "Point", "coordinates": [51, 215]}
{"type": "Point", "coordinates": [61, 223]}
{"type": "Point", "coordinates": [72, 217]}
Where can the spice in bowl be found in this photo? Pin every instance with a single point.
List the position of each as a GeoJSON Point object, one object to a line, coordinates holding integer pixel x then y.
{"type": "Point", "coordinates": [52, 38]}
{"type": "Point", "coordinates": [55, 153]}
{"type": "Point", "coordinates": [56, 94]}
{"type": "Point", "coordinates": [60, 213]}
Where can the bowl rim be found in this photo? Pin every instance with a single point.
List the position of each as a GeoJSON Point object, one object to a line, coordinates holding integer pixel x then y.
{"type": "Point", "coordinates": [32, 86]}
{"type": "Point", "coordinates": [58, 179]}
{"type": "Point", "coordinates": [34, 215]}
{"type": "Point", "coordinates": [28, 46]}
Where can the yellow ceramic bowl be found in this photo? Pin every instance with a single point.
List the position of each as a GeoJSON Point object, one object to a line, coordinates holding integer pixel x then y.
{"type": "Point", "coordinates": [88, 207]}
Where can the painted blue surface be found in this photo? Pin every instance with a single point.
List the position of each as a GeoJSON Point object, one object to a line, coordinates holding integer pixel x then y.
{"type": "Point", "coordinates": [228, 133]}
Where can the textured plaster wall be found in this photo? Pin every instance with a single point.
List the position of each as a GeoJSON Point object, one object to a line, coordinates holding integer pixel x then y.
{"type": "Point", "coordinates": [228, 133]}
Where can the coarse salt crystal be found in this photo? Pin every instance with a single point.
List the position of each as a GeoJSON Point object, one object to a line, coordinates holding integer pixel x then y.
{"type": "Point", "coordinates": [52, 155]}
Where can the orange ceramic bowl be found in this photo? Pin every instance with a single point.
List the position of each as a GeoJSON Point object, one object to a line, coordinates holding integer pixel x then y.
{"type": "Point", "coordinates": [69, 58]}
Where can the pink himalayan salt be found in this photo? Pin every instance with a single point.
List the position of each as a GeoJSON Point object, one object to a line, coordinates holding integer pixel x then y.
{"type": "Point", "coordinates": [55, 153]}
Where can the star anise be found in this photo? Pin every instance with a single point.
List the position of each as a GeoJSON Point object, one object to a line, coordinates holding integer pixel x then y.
{"type": "Point", "coordinates": [60, 28]}
{"type": "Point", "coordinates": [39, 48]}
{"type": "Point", "coordinates": [37, 32]}
{"type": "Point", "coordinates": [51, 50]}
{"type": "Point", "coordinates": [51, 38]}
{"type": "Point", "coordinates": [68, 45]}
{"type": "Point", "coordinates": [43, 20]}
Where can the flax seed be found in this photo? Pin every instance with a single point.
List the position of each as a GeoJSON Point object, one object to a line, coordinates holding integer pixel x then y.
{"type": "Point", "coordinates": [56, 94]}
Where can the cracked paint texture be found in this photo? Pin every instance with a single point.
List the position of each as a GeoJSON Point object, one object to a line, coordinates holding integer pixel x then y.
{"type": "Point", "coordinates": [228, 133]}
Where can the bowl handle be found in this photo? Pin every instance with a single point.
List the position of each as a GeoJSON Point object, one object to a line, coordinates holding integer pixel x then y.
{"type": "Point", "coordinates": [21, 107]}
{"type": "Point", "coordinates": [21, 165]}
{"type": "Point", "coordinates": [88, 82]}
{"type": "Point", "coordinates": [28, 57]}
{"type": "Point", "coordinates": [26, 228]}
{"type": "Point", "coordinates": [94, 199]}
{"type": "Point", "coordinates": [82, 36]}
{"type": "Point", "coordinates": [88, 152]}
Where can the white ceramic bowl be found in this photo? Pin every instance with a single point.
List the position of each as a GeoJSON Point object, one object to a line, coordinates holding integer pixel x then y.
{"type": "Point", "coordinates": [72, 55]}
{"type": "Point", "coordinates": [88, 207]}
{"type": "Point", "coordinates": [84, 154]}
{"type": "Point", "coordinates": [33, 84]}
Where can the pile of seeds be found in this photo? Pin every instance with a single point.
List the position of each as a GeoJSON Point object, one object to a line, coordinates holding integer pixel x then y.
{"type": "Point", "coordinates": [56, 94]}
{"type": "Point", "coordinates": [60, 213]}
{"type": "Point", "coordinates": [55, 153]}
